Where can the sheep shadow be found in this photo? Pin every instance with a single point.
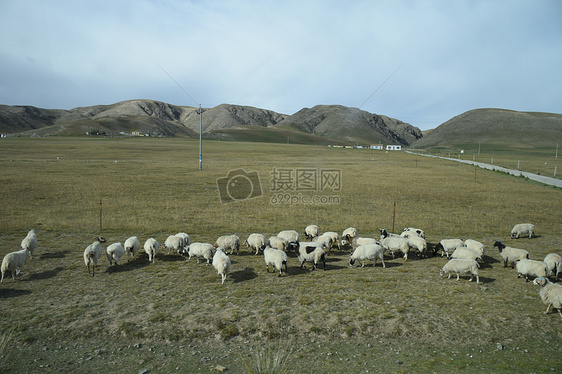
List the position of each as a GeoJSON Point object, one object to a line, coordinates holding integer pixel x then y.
{"type": "Point", "coordinates": [60, 254]}
{"type": "Point", "coordinates": [127, 266]}
{"type": "Point", "coordinates": [487, 280]}
{"type": "Point", "coordinates": [46, 274]}
{"type": "Point", "coordinates": [389, 264]}
{"type": "Point", "coordinates": [245, 274]}
{"type": "Point", "coordinates": [171, 258]}
{"type": "Point", "coordinates": [6, 293]}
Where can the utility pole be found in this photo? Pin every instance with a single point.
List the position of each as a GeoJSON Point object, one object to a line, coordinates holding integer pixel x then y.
{"type": "Point", "coordinates": [200, 138]}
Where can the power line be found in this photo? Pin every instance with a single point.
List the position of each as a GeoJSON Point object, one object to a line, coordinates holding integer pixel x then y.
{"type": "Point", "coordinates": [179, 85]}
{"type": "Point", "coordinates": [387, 79]}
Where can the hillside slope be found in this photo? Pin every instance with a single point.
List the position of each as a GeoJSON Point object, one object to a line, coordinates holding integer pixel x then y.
{"type": "Point", "coordinates": [496, 126]}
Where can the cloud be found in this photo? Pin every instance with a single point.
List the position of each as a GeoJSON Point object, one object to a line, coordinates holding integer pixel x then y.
{"type": "Point", "coordinates": [286, 55]}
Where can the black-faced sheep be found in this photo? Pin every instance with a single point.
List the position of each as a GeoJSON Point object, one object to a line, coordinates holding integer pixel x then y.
{"type": "Point", "coordinates": [132, 246]}
{"type": "Point", "coordinates": [531, 268]}
{"type": "Point", "coordinates": [309, 252]}
{"type": "Point", "coordinates": [92, 253]}
{"type": "Point", "coordinates": [367, 252]}
{"type": "Point", "coordinates": [510, 254]}
{"type": "Point", "coordinates": [461, 266]}
{"type": "Point", "coordinates": [311, 231]}
{"type": "Point", "coordinates": [228, 243]}
{"type": "Point", "coordinates": [255, 241]}
{"type": "Point", "coordinates": [523, 229]}
{"type": "Point", "coordinates": [550, 293]}
{"type": "Point", "coordinates": [29, 243]}
{"type": "Point", "coordinates": [12, 263]}
{"type": "Point", "coordinates": [221, 262]}
{"type": "Point", "coordinates": [411, 231]}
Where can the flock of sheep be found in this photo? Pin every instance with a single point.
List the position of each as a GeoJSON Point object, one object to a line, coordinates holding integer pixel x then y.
{"type": "Point", "coordinates": [464, 256]}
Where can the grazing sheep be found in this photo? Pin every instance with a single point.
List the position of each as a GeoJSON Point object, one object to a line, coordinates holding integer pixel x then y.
{"type": "Point", "coordinates": [13, 262]}
{"type": "Point", "coordinates": [448, 246]}
{"type": "Point", "coordinates": [396, 244]}
{"type": "Point", "coordinates": [325, 240]}
{"type": "Point", "coordinates": [335, 238]}
{"type": "Point", "coordinates": [530, 267]}
{"type": "Point", "coordinates": [476, 245]}
{"type": "Point", "coordinates": [205, 250]}
{"type": "Point", "coordinates": [92, 253]}
{"type": "Point", "coordinates": [114, 253]}
{"type": "Point", "coordinates": [367, 252]}
{"type": "Point", "coordinates": [309, 252]}
{"type": "Point", "coordinates": [523, 229]}
{"type": "Point", "coordinates": [277, 243]}
{"type": "Point", "coordinates": [151, 247]}
{"type": "Point", "coordinates": [551, 294]}
{"type": "Point", "coordinates": [185, 239]}
{"type": "Point", "coordinates": [348, 235]}
{"type": "Point", "coordinates": [311, 231]}
{"type": "Point", "coordinates": [418, 243]}
{"type": "Point", "coordinates": [29, 243]}
{"type": "Point", "coordinates": [510, 254]}
{"type": "Point", "coordinates": [174, 244]}
{"type": "Point", "coordinates": [276, 258]}
{"type": "Point", "coordinates": [359, 241]}
{"type": "Point", "coordinates": [221, 262]}
{"type": "Point", "coordinates": [465, 252]}
{"type": "Point", "coordinates": [461, 266]}
{"type": "Point", "coordinates": [553, 262]}
{"type": "Point", "coordinates": [228, 243]}
{"type": "Point", "coordinates": [289, 235]}
{"type": "Point", "coordinates": [413, 230]}
{"type": "Point", "coordinates": [132, 246]}
{"type": "Point", "coordinates": [255, 241]}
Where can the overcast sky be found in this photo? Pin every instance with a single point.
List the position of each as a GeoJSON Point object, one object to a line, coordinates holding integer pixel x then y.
{"type": "Point", "coordinates": [428, 61]}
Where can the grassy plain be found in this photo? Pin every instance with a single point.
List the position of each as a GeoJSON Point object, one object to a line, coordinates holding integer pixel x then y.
{"type": "Point", "coordinates": [175, 316]}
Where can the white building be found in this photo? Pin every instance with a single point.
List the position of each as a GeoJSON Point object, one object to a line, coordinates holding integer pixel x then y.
{"type": "Point", "coordinates": [392, 147]}
{"type": "Point", "coordinates": [376, 146]}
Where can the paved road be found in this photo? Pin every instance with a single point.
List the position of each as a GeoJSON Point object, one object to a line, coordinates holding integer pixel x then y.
{"type": "Point", "coordinates": [517, 173]}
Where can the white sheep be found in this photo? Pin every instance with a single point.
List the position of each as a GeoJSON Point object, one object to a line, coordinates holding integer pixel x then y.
{"type": "Point", "coordinates": [114, 253]}
{"type": "Point", "coordinates": [277, 243]}
{"type": "Point", "coordinates": [335, 238]}
{"type": "Point", "coordinates": [289, 235]}
{"type": "Point", "coordinates": [255, 241]}
{"type": "Point", "coordinates": [185, 239]}
{"type": "Point", "coordinates": [92, 253]}
{"type": "Point", "coordinates": [276, 258]}
{"type": "Point", "coordinates": [29, 243]}
{"type": "Point", "coordinates": [448, 246]}
{"type": "Point", "coordinates": [413, 231]}
{"type": "Point", "coordinates": [553, 262]}
{"type": "Point", "coordinates": [311, 231]}
{"type": "Point", "coordinates": [523, 229]}
{"type": "Point", "coordinates": [510, 254]}
{"type": "Point", "coordinates": [551, 294]}
{"type": "Point", "coordinates": [205, 250]}
{"type": "Point", "coordinates": [367, 252]}
{"type": "Point", "coordinates": [461, 266]}
{"type": "Point", "coordinates": [309, 252]}
{"type": "Point", "coordinates": [465, 252]}
{"type": "Point", "coordinates": [151, 247]}
{"type": "Point", "coordinates": [396, 244]}
{"type": "Point", "coordinates": [476, 245]}
{"type": "Point", "coordinates": [530, 267]}
{"type": "Point", "coordinates": [174, 244]}
{"type": "Point", "coordinates": [13, 262]}
{"type": "Point", "coordinates": [358, 241]}
{"type": "Point", "coordinates": [418, 243]}
{"type": "Point", "coordinates": [228, 243]}
{"type": "Point", "coordinates": [222, 263]}
{"type": "Point", "coordinates": [132, 246]}
{"type": "Point", "coordinates": [326, 240]}
{"type": "Point", "coordinates": [348, 235]}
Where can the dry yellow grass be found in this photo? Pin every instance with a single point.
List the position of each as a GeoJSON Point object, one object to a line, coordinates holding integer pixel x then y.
{"type": "Point", "coordinates": [152, 187]}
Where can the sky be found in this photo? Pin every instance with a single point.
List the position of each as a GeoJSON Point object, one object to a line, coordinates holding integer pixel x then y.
{"type": "Point", "coordinates": [422, 62]}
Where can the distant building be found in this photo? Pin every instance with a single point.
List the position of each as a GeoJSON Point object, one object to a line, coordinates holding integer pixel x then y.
{"type": "Point", "coordinates": [3, 135]}
{"type": "Point", "coordinates": [392, 147]}
{"type": "Point", "coordinates": [376, 146]}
